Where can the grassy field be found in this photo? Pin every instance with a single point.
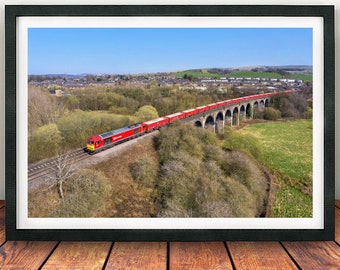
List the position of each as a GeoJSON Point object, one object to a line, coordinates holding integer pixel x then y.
{"type": "Point", "coordinates": [287, 153]}
{"type": "Point", "coordinates": [243, 74]}
{"type": "Point", "coordinates": [198, 74]}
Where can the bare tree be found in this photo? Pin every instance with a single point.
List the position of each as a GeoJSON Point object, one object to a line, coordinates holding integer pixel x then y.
{"type": "Point", "coordinates": [42, 109]}
{"type": "Point", "coordinates": [63, 169]}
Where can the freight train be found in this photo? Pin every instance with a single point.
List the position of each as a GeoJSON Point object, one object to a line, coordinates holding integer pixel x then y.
{"type": "Point", "coordinates": [108, 139]}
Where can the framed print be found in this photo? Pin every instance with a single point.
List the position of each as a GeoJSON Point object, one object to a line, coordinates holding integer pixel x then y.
{"type": "Point", "coordinates": [170, 123]}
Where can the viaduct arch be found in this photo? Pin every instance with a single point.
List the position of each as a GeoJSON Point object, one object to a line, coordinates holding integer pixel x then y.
{"type": "Point", "coordinates": [229, 115]}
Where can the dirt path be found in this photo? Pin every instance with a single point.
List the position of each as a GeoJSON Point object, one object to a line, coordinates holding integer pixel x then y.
{"type": "Point", "coordinates": [270, 192]}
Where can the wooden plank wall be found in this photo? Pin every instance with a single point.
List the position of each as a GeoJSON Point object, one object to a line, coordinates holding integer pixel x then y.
{"type": "Point", "coordinates": [174, 255]}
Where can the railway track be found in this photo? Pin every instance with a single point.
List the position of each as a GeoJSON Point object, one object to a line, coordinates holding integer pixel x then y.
{"type": "Point", "coordinates": [44, 171]}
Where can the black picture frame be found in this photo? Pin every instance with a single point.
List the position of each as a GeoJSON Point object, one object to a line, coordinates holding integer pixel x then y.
{"type": "Point", "coordinates": [13, 12]}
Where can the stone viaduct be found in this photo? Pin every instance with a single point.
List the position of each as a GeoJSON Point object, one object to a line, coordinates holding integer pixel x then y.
{"type": "Point", "coordinates": [230, 115]}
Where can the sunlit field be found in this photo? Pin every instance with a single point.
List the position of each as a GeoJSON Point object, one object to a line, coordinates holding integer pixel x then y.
{"type": "Point", "coordinates": [287, 153]}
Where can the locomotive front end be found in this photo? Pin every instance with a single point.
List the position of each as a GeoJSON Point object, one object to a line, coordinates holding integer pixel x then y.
{"type": "Point", "coordinates": [92, 144]}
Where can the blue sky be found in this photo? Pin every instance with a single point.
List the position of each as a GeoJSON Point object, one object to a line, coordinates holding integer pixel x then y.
{"type": "Point", "coordinates": [141, 50]}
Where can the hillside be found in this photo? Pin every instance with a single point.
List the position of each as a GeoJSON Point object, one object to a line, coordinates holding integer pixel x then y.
{"type": "Point", "coordinates": [290, 72]}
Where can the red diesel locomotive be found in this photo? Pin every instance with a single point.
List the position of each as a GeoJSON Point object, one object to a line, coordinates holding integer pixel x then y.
{"type": "Point", "coordinates": [108, 139]}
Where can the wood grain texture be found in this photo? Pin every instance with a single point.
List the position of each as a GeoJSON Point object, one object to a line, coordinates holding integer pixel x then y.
{"type": "Point", "coordinates": [2, 226]}
{"type": "Point", "coordinates": [207, 255]}
{"type": "Point", "coordinates": [138, 255]}
{"type": "Point", "coordinates": [24, 255]}
{"type": "Point", "coordinates": [337, 203]}
{"type": "Point", "coordinates": [315, 255]}
{"type": "Point", "coordinates": [259, 255]}
{"type": "Point", "coordinates": [337, 225]}
{"type": "Point", "coordinates": [200, 255]}
{"type": "Point", "coordinates": [79, 255]}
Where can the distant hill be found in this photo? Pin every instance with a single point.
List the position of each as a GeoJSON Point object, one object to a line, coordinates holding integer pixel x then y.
{"type": "Point", "coordinates": [301, 68]}
{"type": "Point", "coordinates": [302, 72]}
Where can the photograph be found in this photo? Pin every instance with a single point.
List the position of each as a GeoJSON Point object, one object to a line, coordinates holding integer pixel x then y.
{"type": "Point", "coordinates": [170, 122]}
{"type": "Point", "coordinates": [149, 123]}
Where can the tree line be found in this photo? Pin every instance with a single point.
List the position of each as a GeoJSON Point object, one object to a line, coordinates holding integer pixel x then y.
{"type": "Point", "coordinates": [66, 122]}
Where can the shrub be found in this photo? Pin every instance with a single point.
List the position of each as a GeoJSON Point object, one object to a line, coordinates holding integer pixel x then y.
{"type": "Point", "coordinates": [42, 109]}
{"type": "Point", "coordinates": [45, 142]}
{"type": "Point", "coordinates": [181, 137]}
{"type": "Point", "coordinates": [206, 137]}
{"type": "Point", "coordinates": [199, 179]}
{"type": "Point", "coordinates": [178, 180]}
{"type": "Point", "coordinates": [243, 169]}
{"type": "Point", "coordinates": [240, 199]}
{"type": "Point", "coordinates": [145, 171]}
{"type": "Point", "coordinates": [308, 114]}
{"type": "Point", "coordinates": [213, 153]}
{"type": "Point", "coordinates": [246, 143]}
{"type": "Point", "coordinates": [216, 209]}
{"type": "Point", "coordinates": [211, 197]}
{"type": "Point", "coordinates": [292, 105]}
{"type": "Point", "coordinates": [258, 114]}
{"type": "Point", "coordinates": [146, 112]}
{"type": "Point", "coordinates": [271, 114]}
{"type": "Point", "coordinates": [119, 110]}
{"type": "Point", "coordinates": [85, 194]}
{"type": "Point", "coordinates": [132, 200]}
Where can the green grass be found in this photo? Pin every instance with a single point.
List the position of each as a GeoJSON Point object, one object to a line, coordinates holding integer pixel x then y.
{"type": "Point", "coordinates": [289, 202]}
{"type": "Point", "coordinates": [304, 77]}
{"type": "Point", "coordinates": [198, 74]}
{"type": "Point", "coordinates": [287, 152]}
{"type": "Point", "coordinates": [253, 74]}
{"type": "Point", "coordinates": [243, 74]}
